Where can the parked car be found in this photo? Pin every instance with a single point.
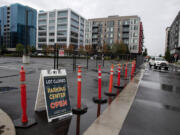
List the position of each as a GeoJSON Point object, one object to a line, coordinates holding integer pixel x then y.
{"type": "Point", "coordinates": [40, 54]}
{"type": "Point", "coordinates": [158, 62]}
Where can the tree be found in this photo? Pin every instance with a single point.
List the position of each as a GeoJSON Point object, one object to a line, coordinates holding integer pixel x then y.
{"type": "Point", "coordinates": [89, 49]}
{"type": "Point", "coordinates": [145, 52]}
{"type": "Point", "coordinates": [19, 49]}
{"type": "Point", "coordinates": [70, 49]}
{"type": "Point", "coordinates": [160, 55]}
{"type": "Point", "coordinates": [106, 49]}
{"type": "Point", "coordinates": [3, 49]}
{"type": "Point", "coordinates": [120, 48]}
{"type": "Point", "coordinates": [81, 49]}
{"type": "Point", "coordinates": [167, 55]}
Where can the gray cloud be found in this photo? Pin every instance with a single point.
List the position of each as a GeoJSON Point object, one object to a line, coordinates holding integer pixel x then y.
{"type": "Point", "coordinates": [156, 15]}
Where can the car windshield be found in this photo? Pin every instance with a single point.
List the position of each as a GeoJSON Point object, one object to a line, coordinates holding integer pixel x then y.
{"type": "Point", "coordinates": [160, 59]}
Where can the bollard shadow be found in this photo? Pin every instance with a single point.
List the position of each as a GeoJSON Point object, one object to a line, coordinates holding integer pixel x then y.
{"type": "Point", "coordinates": [78, 123]}
{"type": "Point", "coordinates": [98, 110]}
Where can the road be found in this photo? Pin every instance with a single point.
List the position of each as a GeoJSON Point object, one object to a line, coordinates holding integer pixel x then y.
{"type": "Point", "coordinates": [156, 108]}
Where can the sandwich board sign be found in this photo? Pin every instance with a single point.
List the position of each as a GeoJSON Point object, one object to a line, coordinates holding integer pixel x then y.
{"type": "Point", "coordinates": [53, 95]}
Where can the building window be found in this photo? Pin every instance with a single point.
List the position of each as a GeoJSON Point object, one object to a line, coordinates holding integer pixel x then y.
{"type": "Point", "coordinates": [42, 40]}
{"type": "Point", "coordinates": [61, 39]}
{"type": "Point", "coordinates": [111, 35]}
{"type": "Point", "coordinates": [135, 27]}
{"type": "Point", "coordinates": [74, 16]}
{"type": "Point", "coordinates": [51, 34]}
{"type": "Point", "coordinates": [110, 41]}
{"type": "Point", "coordinates": [110, 23]}
{"type": "Point", "coordinates": [119, 22]}
{"type": "Point", "coordinates": [112, 29]}
{"type": "Point", "coordinates": [42, 22]}
{"type": "Point", "coordinates": [135, 34]}
{"type": "Point", "coordinates": [51, 22]}
{"type": "Point", "coordinates": [51, 28]}
{"type": "Point", "coordinates": [62, 27]}
{"type": "Point", "coordinates": [42, 33]}
{"type": "Point", "coordinates": [51, 14]}
{"type": "Point", "coordinates": [51, 40]}
{"type": "Point", "coordinates": [62, 20]}
{"type": "Point", "coordinates": [62, 33]}
{"type": "Point", "coordinates": [126, 22]}
{"type": "Point", "coordinates": [62, 14]}
{"type": "Point", "coordinates": [42, 28]}
{"type": "Point", "coordinates": [42, 16]}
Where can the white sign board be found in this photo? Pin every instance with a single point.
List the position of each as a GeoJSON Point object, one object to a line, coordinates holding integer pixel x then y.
{"type": "Point", "coordinates": [53, 95]}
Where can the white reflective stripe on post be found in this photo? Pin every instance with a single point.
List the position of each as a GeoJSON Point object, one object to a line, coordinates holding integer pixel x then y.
{"type": "Point", "coordinates": [99, 71]}
{"type": "Point", "coordinates": [111, 73]}
{"type": "Point", "coordinates": [78, 73]}
{"type": "Point", "coordinates": [79, 79]}
{"type": "Point", "coordinates": [119, 71]}
{"type": "Point", "coordinates": [99, 77]}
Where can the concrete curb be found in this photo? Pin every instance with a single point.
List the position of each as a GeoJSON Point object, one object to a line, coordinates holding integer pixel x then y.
{"type": "Point", "coordinates": [111, 120]}
{"type": "Point", "coordinates": [6, 124]}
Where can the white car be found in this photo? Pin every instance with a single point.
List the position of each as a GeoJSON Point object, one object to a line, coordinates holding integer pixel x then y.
{"type": "Point", "coordinates": [158, 62]}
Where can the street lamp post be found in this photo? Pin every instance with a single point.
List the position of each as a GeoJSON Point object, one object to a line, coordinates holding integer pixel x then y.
{"type": "Point", "coordinates": [26, 57]}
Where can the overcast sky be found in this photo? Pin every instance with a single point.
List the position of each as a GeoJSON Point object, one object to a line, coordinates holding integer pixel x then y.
{"type": "Point", "coordinates": [155, 15]}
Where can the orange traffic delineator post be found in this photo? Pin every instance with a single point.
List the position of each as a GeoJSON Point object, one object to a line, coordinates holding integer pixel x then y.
{"type": "Point", "coordinates": [79, 108]}
{"type": "Point", "coordinates": [99, 99]}
{"type": "Point", "coordinates": [119, 78]}
{"type": "Point", "coordinates": [24, 122]}
{"type": "Point", "coordinates": [125, 74]}
{"type": "Point", "coordinates": [132, 70]}
{"type": "Point", "coordinates": [110, 93]}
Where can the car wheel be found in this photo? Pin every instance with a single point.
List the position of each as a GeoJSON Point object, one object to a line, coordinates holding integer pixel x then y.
{"type": "Point", "coordinates": [149, 65]}
{"type": "Point", "coordinates": [159, 68]}
{"type": "Point", "coordinates": [166, 68]}
{"type": "Point", "coordinates": [155, 67]}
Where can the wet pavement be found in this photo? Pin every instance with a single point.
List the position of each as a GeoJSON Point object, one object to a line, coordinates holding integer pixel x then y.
{"type": "Point", "coordinates": [10, 93]}
{"type": "Point", "coordinates": [156, 108]}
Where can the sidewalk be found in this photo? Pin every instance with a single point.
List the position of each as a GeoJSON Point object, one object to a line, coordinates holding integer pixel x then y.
{"type": "Point", "coordinates": [6, 124]}
{"type": "Point", "coordinates": [112, 119]}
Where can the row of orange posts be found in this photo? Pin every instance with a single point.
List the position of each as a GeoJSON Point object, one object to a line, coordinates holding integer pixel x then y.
{"type": "Point", "coordinates": [99, 99]}
{"type": "Point", "coordinates": [79, 109]}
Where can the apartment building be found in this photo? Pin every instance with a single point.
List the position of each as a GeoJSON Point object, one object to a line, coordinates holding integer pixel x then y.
{"type": "Point", "coordinates": [112, 29]}
{"type": "Point", "coordinates": [167, 38]}
{"type": "Point", "coordinates": [61, 27]}
{"type": "Point", "coordinates": [18, 25]}
{"type": "Point", "coordinates": [174, 37]}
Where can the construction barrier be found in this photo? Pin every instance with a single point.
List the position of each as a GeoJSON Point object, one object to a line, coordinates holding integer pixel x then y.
{"type": "Point", "coordinates": [24, 122]}
{"type": "Point", "coordinates": [79, 109]}
{"type": "Point", "coordinates": [119, 78]}
{"type": "Point", "coordinates": [99, 99]}
{"type": "Point", "coordinates": [110, 93]}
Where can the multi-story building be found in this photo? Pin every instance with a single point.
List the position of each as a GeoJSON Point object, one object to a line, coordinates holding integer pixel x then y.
{"type": "Point", "coordinates": [112, 29]}
{"type": "Point", "coordinates": [18, 25]}
{"type": "Point", "coordinates": [60, 27]}
{"type": "Point", "coordinates": [174, 37]}
{"type": "Point", "coordinates": [167, 38]}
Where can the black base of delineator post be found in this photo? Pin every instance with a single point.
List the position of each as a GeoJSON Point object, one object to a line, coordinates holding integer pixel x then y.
{"type": "Point", "coordinates": [99, 101]}
{"type": "Point", "coordinates": [110, 93]}
{"type": "Point", "coordinates": [31, 122]}
{"type": "Point", "coordinates": [81, 110]}
{"type": "Point", "coordinates": [119, 87]}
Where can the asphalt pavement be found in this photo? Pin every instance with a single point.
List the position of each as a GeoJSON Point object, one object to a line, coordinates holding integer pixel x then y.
{"type": "Point", "coordinates": [10, 93]}
{"type": "Point", "coordinates": [156, 108]}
